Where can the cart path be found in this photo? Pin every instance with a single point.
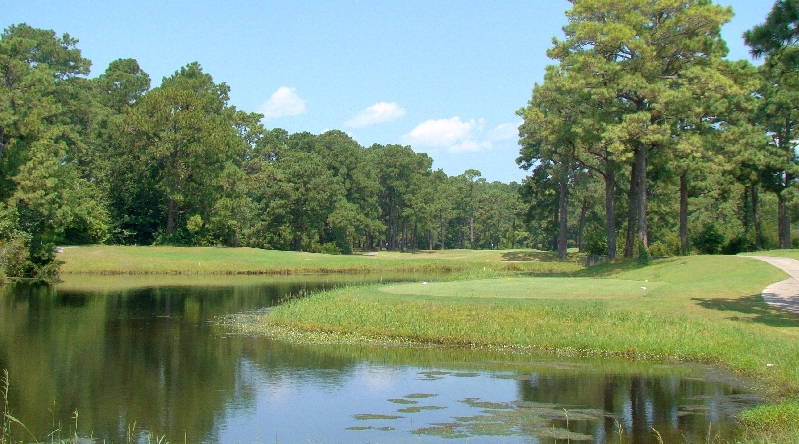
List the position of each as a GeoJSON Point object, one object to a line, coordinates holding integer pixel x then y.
{"type": "Point", "coordinates": [784, 294]}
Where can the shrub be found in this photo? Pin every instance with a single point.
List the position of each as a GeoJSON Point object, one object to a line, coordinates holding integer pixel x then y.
{"type": "Point", "coordinates": [709, 240]}
{"type": "Point", "coordinates": [327, 248]}
{"type": "Point", "coordinates": [15, 256]}
{"type": "Point", "coordinates": [668, 246]}
{"type": "Point", "coordinates": [595, 242]}
{"type": "Point", "coordinates": [737, 245]}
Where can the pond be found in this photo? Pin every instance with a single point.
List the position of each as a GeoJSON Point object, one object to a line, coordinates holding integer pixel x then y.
{"type": "Point", "coordinates": [142, 356]}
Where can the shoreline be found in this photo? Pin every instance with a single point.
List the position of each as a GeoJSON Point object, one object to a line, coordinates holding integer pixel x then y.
{"type": "Point", "coordinates": [673, 322]}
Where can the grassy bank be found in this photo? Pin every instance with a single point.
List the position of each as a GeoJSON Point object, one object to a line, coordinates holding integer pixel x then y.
{"type": "Point", "coordinates": [209, 261]}
{"type": "Point", "coordinates": [702, 308]}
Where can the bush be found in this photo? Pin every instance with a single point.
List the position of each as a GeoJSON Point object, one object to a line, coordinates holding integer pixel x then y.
{"type": "Point", "coordinates": [595, 242]}
{"type": "Point", "coordinates": [668, 246]}
{"type": "Point", "coordinates": [327, 248]}
{"type": "Point", "coordinates": [737, 245]}
{"type": "Point", "coordinates": [15, 256]}
{"type": "Point", "coordinates": [17, 260]}
{"type": "Point", "coordinates": [709, 240]}
{"type": "Point", "coordinates": [48, 272]}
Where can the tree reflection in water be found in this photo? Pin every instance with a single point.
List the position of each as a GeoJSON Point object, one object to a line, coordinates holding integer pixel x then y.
{"type": "Point", "coordinates": [125, 351]}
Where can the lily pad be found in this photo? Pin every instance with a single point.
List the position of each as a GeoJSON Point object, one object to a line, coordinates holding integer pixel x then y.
{"type": "Point", "coordinates": [420, 395]}
{"type": "Point", "coordinates": [420, 408]}
{"type": "Point", "coordinates": [374, 416]}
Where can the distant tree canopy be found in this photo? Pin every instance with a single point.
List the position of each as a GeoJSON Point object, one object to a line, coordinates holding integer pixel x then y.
{"type": "Point", "coordinates": [642, 140]}
{"type": "Point", "coordinates": [111, 160]}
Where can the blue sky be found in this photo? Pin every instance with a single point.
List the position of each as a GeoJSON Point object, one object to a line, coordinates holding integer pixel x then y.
{"type": "Point", "coordinates": [445, 77]}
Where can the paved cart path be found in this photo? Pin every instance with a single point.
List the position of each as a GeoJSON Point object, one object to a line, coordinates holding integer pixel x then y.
{"type": "Point", "coordinates": [784, 294]}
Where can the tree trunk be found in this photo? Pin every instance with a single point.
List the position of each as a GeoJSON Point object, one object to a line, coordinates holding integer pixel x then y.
{"type": "Point", "coordinates": [610, 211]}
{"type": "Point", "coordinates": [513, 234]}
{"type": "Point", "coordinates": [430, 239]}
{"type": "Point", "coordinates": [564, 214]}
{"type": "Point", "coordinates": [638, 406]}
{"type": "Point", "coordinates": [389, 235]}
{"type": "Point", "coordinates": [784, 220]}
{"type": "Point", "coordinates": [746, 221]}
{"type": "Point", "coordinates": [756, 215]}
{"type": "Point", "coordinates": [556, 222]}
{"type": "Point", "coordinates": [643, 235]}
{"type": "Point", "coordinates": [684, 213]}
{"type": "Point", "coordinates": [404, 241]}
{"type": "Point", "coordinates": [297, 242]}
{"type": "Point", "coordinates": [2, 145]}
{"type": "Point", "coordinates": [632, 214]}
{"type": "Point", "coordinates": [441, 227]}
{"type": "Point", "coordinates": [609, 387]}
{"type": "Point", "coordinates": [415, 241]}
{"type": "Point", "coordinates": [471, 214]}
{"type": "Point", "coordinates": [471, 225]}
{"type": "Point", "coordinates": [581, 226]}
{"type": "Point", "coordinates": [392, 242]}
{"type": "Point", "coordinates": [787, 215]}
{"type": "Point", "coordinates": [170, 217]}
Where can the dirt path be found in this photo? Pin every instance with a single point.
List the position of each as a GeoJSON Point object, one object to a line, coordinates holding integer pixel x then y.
{"type": "Point", "coordinates": [784, 294]}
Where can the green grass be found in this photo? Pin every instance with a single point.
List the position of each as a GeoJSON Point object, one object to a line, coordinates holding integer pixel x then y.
{"type": "Point", "coordinates": [793, 254]}
{"type": "Point", "coordinates": [772, 422]}
{"type": "Point", "coordinates": [214, 261]}
{"type": "Point", "coordinates": [701, 308]}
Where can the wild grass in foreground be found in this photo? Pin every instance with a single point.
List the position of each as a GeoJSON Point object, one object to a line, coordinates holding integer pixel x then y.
{"type": "Point", "coordinates": [702, 308]}
{"type": "Point", "coordinates": [9, 423]}
{"type": "Point", "coordinates": [772, 423]}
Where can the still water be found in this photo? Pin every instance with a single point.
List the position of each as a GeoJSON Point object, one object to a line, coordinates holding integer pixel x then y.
{"type": "Point", "coordinates": [142, 355]}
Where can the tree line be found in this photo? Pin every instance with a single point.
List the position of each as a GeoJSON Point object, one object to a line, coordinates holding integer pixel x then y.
{"type": "Point", "coordinates": [654, 142]}
{"type": "Point", "coordinates": [642, 140]}
{"type": "Point", "coordinates": [111, 160]}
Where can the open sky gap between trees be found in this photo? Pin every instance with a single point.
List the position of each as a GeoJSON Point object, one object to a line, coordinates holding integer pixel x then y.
{"type": "Point", "coordinates": [642, 140]}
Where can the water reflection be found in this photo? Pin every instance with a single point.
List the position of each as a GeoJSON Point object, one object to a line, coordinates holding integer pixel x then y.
{"type": "Point", "coordinates": [128, 350]}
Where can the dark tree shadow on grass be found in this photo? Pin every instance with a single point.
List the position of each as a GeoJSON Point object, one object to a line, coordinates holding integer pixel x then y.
{"type": "Point", "coordinates": [751, 309]}
{"type": "Point", "coordinates": [527, 256]}
{"type": "Point", "coordinates": [608, 269]}
{"type": "Point", "coordinates": [539, 256]}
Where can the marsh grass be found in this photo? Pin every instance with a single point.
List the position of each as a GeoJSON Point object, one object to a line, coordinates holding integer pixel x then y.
{"type": "Point", "coordinates": [55, 436]}
{"type": "Point", "coordinates": [772, 423]}
{"type": "Point", "coordinates": [6, 435]}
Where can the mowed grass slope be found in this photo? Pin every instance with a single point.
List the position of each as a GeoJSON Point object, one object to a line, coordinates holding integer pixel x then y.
{"type": "Point", "coordinates": [209, 260]}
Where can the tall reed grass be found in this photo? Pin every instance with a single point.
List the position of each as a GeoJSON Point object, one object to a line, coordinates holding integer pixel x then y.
{"type": "Point", "coordinates": [24, 435]}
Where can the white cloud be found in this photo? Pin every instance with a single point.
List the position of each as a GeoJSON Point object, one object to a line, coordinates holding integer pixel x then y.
{"type": "Point", "coordinates": [380, 112]}
{"type": "Point", "coordinates": [284, 102]}
{"type": "Point", "coordinates": [506, 131]}
{"type": "Point", "coordinates": [441, 133]}
{"type": "Point", "coordinates": [469, 146]}
{"type": "Point", "coordinates": [458, 136]}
